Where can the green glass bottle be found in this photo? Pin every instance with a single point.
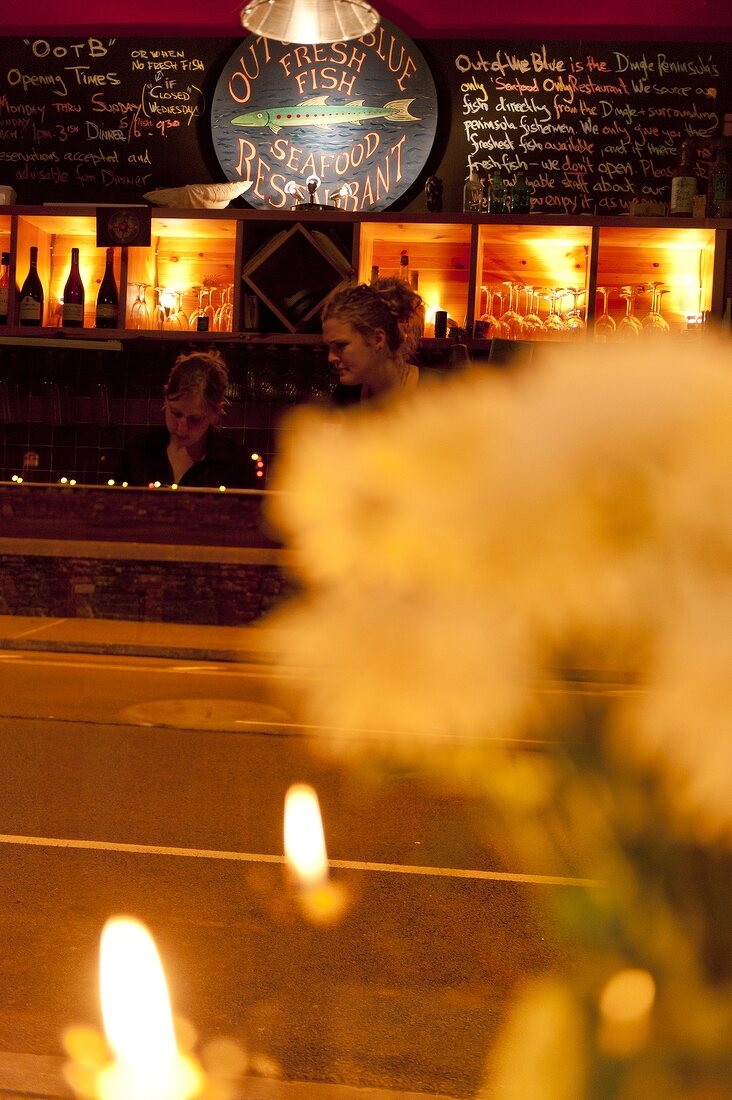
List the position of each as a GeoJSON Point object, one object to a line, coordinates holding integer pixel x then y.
{"type": "Point", "coordinates": [497, 194]}
{"type": "Point", "coordinates": [520, 194]}
{"type": "Point", "coordinates": [720, 183]}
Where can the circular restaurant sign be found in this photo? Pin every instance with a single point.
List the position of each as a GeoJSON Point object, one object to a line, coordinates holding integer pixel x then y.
{"type": "Point", "coordinates": [354, 118]}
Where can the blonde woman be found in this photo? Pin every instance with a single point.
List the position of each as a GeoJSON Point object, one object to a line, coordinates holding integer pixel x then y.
{"type": "Point", "coordinates": [369, 329]}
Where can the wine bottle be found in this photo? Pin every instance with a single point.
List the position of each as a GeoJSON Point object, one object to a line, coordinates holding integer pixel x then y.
{"type": "Point", "coordinates": [30, 302]}
{"type": "Point", "coordinates": [107, 314]}
{"type": "Point", "coordinates": [472, 193]}
{"type": "Point", "coordinates": [416, 326]}
{"type": "Point", "coordinates": [496, 194]}
{"type": "Point", "coordinates": [683, 183]}
{"type": "Point", "coordinates": [404, 265]}
{"type": "Point", "coordinates": [72, 315]}
{"type": "Point", "coordinates": [520, 194]}
{"type": "Point", "coordinates": [4, 288]}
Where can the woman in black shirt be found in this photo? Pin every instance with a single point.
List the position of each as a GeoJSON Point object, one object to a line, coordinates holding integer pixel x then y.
{"type": "Point", "coordinates": [190, 450]}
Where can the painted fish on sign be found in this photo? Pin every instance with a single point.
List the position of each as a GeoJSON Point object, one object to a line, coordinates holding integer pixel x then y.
{"type": "Point", "coordinates": [361, 113]}
{"type": "Point", "coordinates": [318, 112]}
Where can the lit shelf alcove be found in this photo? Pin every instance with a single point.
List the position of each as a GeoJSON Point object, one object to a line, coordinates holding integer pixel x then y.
{"type": "Point", "coordinates": [213, 264]}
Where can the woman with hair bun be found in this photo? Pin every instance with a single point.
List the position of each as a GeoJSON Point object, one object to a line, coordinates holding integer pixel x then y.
{"type": "Point", "coordinates": [190, 450]}
{"type": "Point", "coordinates": [369, 332]}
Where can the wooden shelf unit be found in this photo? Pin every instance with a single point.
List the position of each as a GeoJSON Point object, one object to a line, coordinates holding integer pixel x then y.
{"type": "Point", "coordinates": [290, 260]}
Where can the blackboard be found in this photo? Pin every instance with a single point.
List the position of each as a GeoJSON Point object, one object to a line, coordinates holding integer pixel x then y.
{"type": "Point", "coordinates": [594, 124]}
{"type": "Point", "coordinates": [103, 120]}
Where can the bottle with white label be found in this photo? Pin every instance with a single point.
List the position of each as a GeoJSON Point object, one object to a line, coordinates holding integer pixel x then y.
{"type": "Point", "coordinates": [683, 183]}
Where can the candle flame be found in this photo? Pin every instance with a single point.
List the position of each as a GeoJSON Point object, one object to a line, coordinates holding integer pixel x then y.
{"type": "Point", "coordinates": [136, 1010]}
{"type": "Point", "coordinates": [138, 1021]}
{"type": "Point", "coordinates": [628, 996]}
{"type": "Point", "coordinates": [304, 839]}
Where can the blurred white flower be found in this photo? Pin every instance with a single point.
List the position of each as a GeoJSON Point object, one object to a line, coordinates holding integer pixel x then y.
{"type": "Point", "coordinates": [539, 1053]}
{"type": "Point", "coordinates": [457, 544]}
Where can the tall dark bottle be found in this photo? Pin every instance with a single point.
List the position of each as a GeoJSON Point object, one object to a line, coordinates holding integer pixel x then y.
{"type": "Point", "coordinates": [4, 287]}
{"type": "Point", "coordinates": [416, 325]}
{"type": "Point", "coordinates": [683, 183]}
{"type": "Point", "coordinates": [107, 314]}
{"type": "Point", "coordinates": [719, 194]}
{"type": "Point", "coordinates": [72, 314]}
{"type": "Point", "coordinates": [30, 300]}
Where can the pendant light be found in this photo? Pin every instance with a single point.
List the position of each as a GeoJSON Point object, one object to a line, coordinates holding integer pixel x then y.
{"type": "Point", "coordinates": [309, 21]}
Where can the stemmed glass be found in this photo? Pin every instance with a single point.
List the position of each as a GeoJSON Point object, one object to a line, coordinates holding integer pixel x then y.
{"type": "Point", "coordinates": [205, 307]}
{"type": "Point", "coordinates": [223, 315]}
{"type": "Point", "coordinates": [629, 327]}
{"type": "Point", "coordinates": [140, 312]}
{"type": "Point", "coordinates": [654, 323]}
{"type": "Point", "coordinates": [604, 327]}
{"type": "Point", "coordinates": [532, 327]}
{"type": "Point", "coordinates": [198, 311]}
{"type": "Point", "coordinates": [511, 320]}
{"type": "Point", "coordinates": [160, 312]}
{"type": "Point", "coordinates": [554, 327]}
{"type": "Point", "coordinates": [215, 301]}
{"type": "Point", "coordinates": [574, 322]}
{"type": "Point", "coordinates": [490, 317]}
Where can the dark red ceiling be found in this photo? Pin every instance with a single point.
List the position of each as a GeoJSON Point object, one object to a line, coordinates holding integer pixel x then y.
{"type": "Point", "coordinates": [702, 20]}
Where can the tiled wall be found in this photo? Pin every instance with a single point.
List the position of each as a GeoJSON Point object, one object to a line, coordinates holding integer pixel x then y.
{"type": "Point", "coordinates": [75, 408]}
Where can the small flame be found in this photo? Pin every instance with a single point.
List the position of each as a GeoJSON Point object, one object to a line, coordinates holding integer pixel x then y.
{"type": "Point", "coordinates": [304, 839]}
{"type": "Point", "coordinates": [626, 1004]}
{"type": "Point", "coordinates": [135, 1005]}
{"type": "Point", "coordinates": [138, 1021]}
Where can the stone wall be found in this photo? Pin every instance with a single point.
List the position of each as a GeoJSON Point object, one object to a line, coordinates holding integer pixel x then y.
{"type": "Point", "coordinates": [201, 593]}
{"type": "Point", "coordinates": [190, 556]}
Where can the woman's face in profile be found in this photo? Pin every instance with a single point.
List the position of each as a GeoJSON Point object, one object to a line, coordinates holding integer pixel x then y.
{"type": "Point", "coordinates": [352, 355]}
{"type": "Point", "coordinates": [188, 417]}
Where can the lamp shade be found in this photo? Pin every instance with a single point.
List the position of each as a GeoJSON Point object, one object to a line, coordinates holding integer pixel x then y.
{"type": "Point", "coordinates": [309, 21]}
